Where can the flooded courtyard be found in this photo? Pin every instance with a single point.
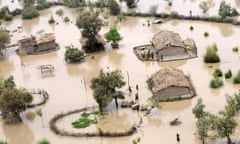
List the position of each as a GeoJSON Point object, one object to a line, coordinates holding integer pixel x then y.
{"type": "Point", "coordinates": [66, 86]}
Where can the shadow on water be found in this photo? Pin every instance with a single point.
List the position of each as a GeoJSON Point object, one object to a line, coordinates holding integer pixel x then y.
{"type": "Point", "coordinates": [176, 106]}
{"type": "Point", "coordinates": [18, 134]}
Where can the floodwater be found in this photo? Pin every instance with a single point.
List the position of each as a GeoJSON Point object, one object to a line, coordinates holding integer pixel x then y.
{"type": "Point", "coordinates": [67, 90]}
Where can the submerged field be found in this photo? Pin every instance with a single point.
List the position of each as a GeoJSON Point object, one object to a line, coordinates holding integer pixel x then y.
{"type": "Point", "coordinates": [66, 85]}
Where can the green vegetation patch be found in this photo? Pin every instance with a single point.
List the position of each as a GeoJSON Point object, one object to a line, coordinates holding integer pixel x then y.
{"type": "Point", "coordinates": [217, 73]}
{"type": "Point", "coordinates": [216, 83]}
{"type": "Point", "coordinates": [85, 120]}
{"type": "Point", "coordinates": [228, 74]}
{"type": "Point", "coordinates": [236, 78]}
{"type": "Point", "coordinates": [150, 84]}
{"type": "Point", "coordinates": [235, 49]}
{"type": "Point", "coordinates": [211, 55]}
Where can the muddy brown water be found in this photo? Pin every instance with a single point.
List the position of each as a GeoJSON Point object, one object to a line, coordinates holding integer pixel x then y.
{"type": "Point", "coordinates": [66, 85]}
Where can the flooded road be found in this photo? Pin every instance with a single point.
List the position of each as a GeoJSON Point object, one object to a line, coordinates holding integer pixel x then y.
{"type": "Point", "coordinates": [66, 85]}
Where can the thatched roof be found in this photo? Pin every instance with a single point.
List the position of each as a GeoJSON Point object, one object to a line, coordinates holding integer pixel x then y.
{"type": "Point", "coordinates": [169, 77]}
{"type": "Point", "coordinates": [47, 37]}
{"type": "Point", "coordinates": [164, 38]}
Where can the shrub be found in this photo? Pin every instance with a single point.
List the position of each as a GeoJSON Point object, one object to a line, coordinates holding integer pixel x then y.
{"type": "Point", "coordinates": [42, 4]}
{"type": "Point", "coordinates": [43, 141]}
{"type": "Point", "coordinates": [66, 19]}
{"type": "Point", "coordinates": [8, 17]}
{"type": "Point", "coordinates": [228, 74]}
{"type": "Point", "coordinates": [235, 49]}
{"type": "Point", "coordinates": [204, 6]}
{"type": "Point", "coordinates": [73, 54]}
{"type": "Point", "coordinates": [60, 12]}
{"type": "Point", "coordinates": [216, 83]}
{"type": "Point", "coordinates": [174, 14]}
{"type": "Point", "coordinates": [206, 34]}
{"type": "Point", "coordinates": [226, 10]}
{"type": "Point", "coordinates": [114, 7]}
{"type": "Point", "coordinates": [5, 14]}
{"type": "Point", "coordinates": [51, 20]}
{"type": "Point", "coordinates": [150, 84]}
{"type": "Point", "coordinates": [217, 73]}
{"type": "Point", "coordinates": [29, 13]}
{"type": "Point", "coordinates": [211, 55]}
{"type": "Point", "coordinates": [191, 28]}
{"type": "Point", "coordinates": [236, 78]}
{"type": "Point", "coordinates": [74, 3]}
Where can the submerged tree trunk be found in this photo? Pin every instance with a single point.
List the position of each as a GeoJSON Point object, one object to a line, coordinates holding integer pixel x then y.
{"type": "Point", "coordinates": [116, 102]}
{"type": "Point", "coordinates": [229, 141]}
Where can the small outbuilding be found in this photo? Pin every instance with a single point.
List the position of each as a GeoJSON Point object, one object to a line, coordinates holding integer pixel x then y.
{"type": "Point", "coordinates": [35, 45]}
{"type": "Point", "coordinates": [171, 84]}
{"type": "Point", "coordinates": [166, 46]}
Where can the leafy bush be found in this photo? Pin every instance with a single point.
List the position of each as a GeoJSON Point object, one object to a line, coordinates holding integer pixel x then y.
{"type": "Point", "coordinates": [228, 74]}
{"type": "Point", "coordinates": [226, 10]}
{"type": "Point", "coordinates": [113, 7]}
{"type": "Point", "coordinates": [206, 34]}
{"type": "Point", "coordinates": [131, 3]}
{"type": "Point", "coordinates": [44, 141]}
{"type": "Point", "coordinates": [191, 28]}
{"type": "Point", "coordinates": [217, 73]}
{"type": "Point", "coordinates": [235, 49]}
{"type": "Point", "coordinates": [211, 55]}
{"type": "Point", "coordinates": [5, 14]}
{"type": "Point", "coordinates": [113, 35]}
{"type": "Point", "coordinates": [60, 12]}
{"type": "Point", "coordinates": [150, 84]}
{"type": "Point", "coordinates": [42, 4]}
{"type": "Point", "coordinates": [216, 83]}
{"type": "Point", "coordinates": [74, 3]}
{"type": "Point", "coordinates": [174, 14]}
{"type": "Point", "coordinates": [73, 54]}
{"type": "Point", "coordinates": [66, 19]}
{"type": "Point", "coordinates": [236, 78]}
{"type": "Point", "coordinates": [29, 13]}
{"type": "Point", "coordinates": [51, 20]}
{"type": "Point", "coordinates": [3, 142]}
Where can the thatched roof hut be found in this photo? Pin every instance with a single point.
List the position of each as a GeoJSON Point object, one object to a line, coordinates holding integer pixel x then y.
{"type": "Point", "coordinates": [166, 38]}
{"type": "Point", "coordinates": [171, 83]}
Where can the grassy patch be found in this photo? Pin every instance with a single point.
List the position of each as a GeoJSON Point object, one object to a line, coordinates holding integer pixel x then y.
{"type": "Point", "coordinates": [85, 120]}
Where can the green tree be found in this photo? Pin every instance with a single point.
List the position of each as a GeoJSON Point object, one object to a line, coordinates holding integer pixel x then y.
{"type": "Point", "coordinates": [28, 3]}
{"type": "Point", "coordinates": [42, 4]}
{"type": "Point", "coordinates": [104, 88]}
{"type": "Point", "coordinates": [4, 40]}
{"type": "Point", "coordinates": [44, 141]}
{"type": "Point", "coordinates": [211, 55]}
{"type": "Point", "coordinates": [153, 10]}
{"type": "Point", "coordinates": [30, 12]}
{"type": "Point", "coordinates": [114, 7]}
{"type": "Point", "coordinates": [60, 12]}
{"type": "Point", "coordinates": [226, 10]}
{"type": "Point", "coordinates": [204, 6]}
{"type": "Point", "coordinates": [90, 24]}
{"type": "Point", "coordinates": [225, 127]}
{"type": "Point", "coordinates": [113, 35]}
{"type": "Point", "coordinates": [131, 3]}
{"type": "Point", "coordinates": [198, 109]}
{"type": "Point", "coordinates": [13, 102]}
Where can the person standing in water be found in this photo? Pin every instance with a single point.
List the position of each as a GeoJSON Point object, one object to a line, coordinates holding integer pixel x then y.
{"type": "Point", "coordinates": [178, 137]}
